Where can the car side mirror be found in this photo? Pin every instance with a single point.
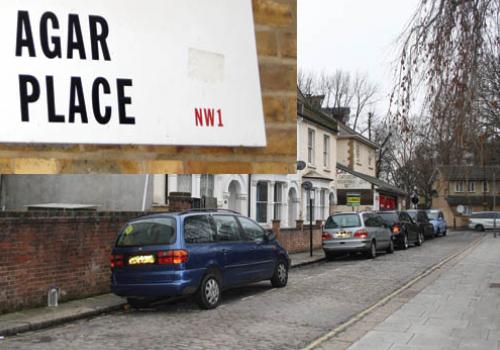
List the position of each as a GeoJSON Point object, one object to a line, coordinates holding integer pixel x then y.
{"type": "Point", "coordinates": [269, 236]}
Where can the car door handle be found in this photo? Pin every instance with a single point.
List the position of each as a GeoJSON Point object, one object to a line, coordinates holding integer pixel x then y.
{"type": "Point", "coordinates": [225, 250]}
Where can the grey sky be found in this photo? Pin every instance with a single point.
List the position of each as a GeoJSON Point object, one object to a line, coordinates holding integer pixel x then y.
{"type": "Point", "coordinates": [352, 35]}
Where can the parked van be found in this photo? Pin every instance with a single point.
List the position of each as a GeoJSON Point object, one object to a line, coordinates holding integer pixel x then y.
{"type": "Point", "coordinates": [484, 220]}
{"type": "Point", "coordinates": [193, 253]}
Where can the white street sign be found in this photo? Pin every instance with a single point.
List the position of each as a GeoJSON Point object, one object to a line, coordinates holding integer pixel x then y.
{"type": "Point", "coordinates": [159, 72]}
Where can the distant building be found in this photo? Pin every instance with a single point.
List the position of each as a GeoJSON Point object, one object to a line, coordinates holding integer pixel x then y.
{"type": "Point", "coordinates": [461, 190]}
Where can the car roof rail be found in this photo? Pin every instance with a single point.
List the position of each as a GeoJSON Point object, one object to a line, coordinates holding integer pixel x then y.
{"type": "Point", "coordinates": [208, 210]}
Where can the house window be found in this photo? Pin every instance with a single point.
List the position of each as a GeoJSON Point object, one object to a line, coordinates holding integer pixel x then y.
{"type": "Point", "coordinates": [262, 201]}
{"type": "Point", "coordinates": [326, 151]}
{"type": "Point", "coordinates": [370, 158]}
{"type": "Point", "coordinates": [278, 200]}
{"type": "Point", "coordinates": [485, 186]}
{"type": "Point", "coordinates": [207, 185]}
{"type": "Point", "coordinates": [322, 204]}
{"type": "Point", "coordinates": [184, 183]}
{"type": "Point", "coordinates": [310, 146]}
{"type": "Point", "coordinates": [358, 154]}
{"type": "Point", "coordinates": [459, 186]}
{"type": "Point", "coordinates": [308, 206]}
{"type": "Point", "coordinates": [471, 186]}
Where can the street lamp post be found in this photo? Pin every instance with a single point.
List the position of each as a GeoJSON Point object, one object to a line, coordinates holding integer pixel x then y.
{"type": "Point", "coordinates": [494, 203]}
{"type": "Point", "coordinates": [308, 187]}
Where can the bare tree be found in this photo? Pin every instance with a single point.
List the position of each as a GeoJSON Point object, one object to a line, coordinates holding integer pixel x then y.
{"type": "Point", "coordinates": [442, 53]}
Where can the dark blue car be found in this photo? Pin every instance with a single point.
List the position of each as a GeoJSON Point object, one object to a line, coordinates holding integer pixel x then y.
{"type": "Point", "coordinates": [193, 253]}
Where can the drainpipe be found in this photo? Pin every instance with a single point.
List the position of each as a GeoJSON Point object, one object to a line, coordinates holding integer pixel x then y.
{"type": "Point", "coordinates": [249, 195]}
{"type": "Point", "coordinates": [145, 193]}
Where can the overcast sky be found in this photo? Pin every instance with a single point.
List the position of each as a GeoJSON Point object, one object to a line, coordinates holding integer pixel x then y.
{"type": "Point", "coordinates": [352, 35]}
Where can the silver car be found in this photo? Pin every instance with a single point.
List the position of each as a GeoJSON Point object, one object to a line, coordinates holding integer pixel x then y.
{"type": "Point", "coordinates": [356, 232]}
{"type": "Point", "coordinates": [484, 220]}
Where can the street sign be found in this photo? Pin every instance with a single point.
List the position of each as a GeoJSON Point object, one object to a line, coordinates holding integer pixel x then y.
{"type": "Point", "coordinates": [161, 72]}
{"type": "Point", "coordinates": [353, 199]}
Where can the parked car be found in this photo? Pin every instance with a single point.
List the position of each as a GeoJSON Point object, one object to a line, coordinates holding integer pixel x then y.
{"type": "Point", "coordinates": [196, 253]}
{"type": "Point", "coordinates": [404, 230]}
{"type": "Point", "coordinates": [422, 220]}
{"type": "Point", "coordinates": [484, 220]}
{"type": "Point", "coordinates": [436, 218]}
{"type": "Point", "coordinates": [356, 232]}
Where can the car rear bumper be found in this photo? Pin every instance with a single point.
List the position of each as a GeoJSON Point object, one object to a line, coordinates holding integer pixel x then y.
{"type": "Point", "coordinates": [353, 245]}
{"type": "Point", "coordinates": [153, 289]}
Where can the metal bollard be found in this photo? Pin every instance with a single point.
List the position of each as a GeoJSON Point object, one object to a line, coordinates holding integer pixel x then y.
{"type": "Point", "coordinates": [53, 297]}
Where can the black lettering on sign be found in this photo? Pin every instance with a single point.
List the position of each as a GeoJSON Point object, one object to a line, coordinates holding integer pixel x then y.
{"type": "Point", "coordinates": [99, 39]}
{"type": "Point", "coordinates": [24, 26]}
{"type": "Point", "coordinates": [51, 103]}
{"type": "Point", "coordinates": [75, 37]}
{"type": "Point", "coordinates": [96, 105]}
{"type": "Point", "coordinates": [27, 97]}
{"type": "Point", "coordinates": [55, 51]}
{"type": "Point", "coordinates": [123, 101]}
{"type": "Point", "coordinates": [76, 92]}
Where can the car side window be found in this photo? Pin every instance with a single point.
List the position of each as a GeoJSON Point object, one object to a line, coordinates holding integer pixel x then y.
{"type": "Point", "coordinates": [198, 229]}
{"type": "Point", "coordinates": [251, 230]}
{"type": "Point", "coordinates": [370, 220]}
{"type": "Point", "coordinates": [227, 228]}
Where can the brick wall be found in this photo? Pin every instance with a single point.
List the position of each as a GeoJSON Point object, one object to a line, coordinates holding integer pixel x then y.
{"type": "Point", "coordinates": [296, 241]}
{"type": "Point", "coordinates": [276, 32]}
{"type": "Point", "coordinates": [70, 250]}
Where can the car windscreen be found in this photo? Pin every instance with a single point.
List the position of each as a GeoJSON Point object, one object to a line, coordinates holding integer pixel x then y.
{"type": "Point", "coordinates": [433, 215]}
{"type": "Point", "coordinates": [413, 215]}
{"type": "Point", "coordinates": [343, 221]}
{"type": "Point", "coordinates": [389, 218]}
{"type": "Point", "coordinates": [151, 231]}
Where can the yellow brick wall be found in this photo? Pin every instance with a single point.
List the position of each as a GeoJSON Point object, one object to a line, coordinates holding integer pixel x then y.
{"type": "Point", "coordinates": [276, 34]}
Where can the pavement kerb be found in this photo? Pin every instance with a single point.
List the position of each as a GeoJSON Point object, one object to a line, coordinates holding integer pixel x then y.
{"type": "Point", "coordinates": [359, 316]}
{"type": "Point", "coordinates": [27, 326]}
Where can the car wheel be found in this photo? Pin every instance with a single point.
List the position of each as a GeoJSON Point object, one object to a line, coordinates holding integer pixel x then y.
{"type": "Point", "coordinates": [280, 277]}
{"type": "Point", "coordinates": [138, 303]}
{"type": "Point", "coordinates": [480, 228]}
{"type": "Point", "coordinates": [444, 233]}
{"type": "Point", "coordinates": [372, 252]}
{"type": "Point", "coordinates": [390, 249]}
{"type": "Point", "coordinates": [420, 239]}
{"type": "Point", "coordinates": [208, 296]}
{"type": "Point", "coordinates": [405, 241]}
{"type": "Point", "coordinates": [330, 256]}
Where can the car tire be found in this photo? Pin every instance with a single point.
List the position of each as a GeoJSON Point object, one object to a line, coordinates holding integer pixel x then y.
{"type": "Point", "coordinates": [209, 293]}
{"type": "Point", "coordinates": [444, 233]}
{"type": "Point", "coordinates": [420, 239]}
{"type": "Point", "coordinates": [405, 244]}
{"type": "Point", "coordinates": [280, 276]}
{"type": "Point", "coordinates": [372, 252]}
{"type": "Point", "coordinates": [480, 228]}
{"type": "Point", "coordinates": [138, 303]}
{"type": "Point", "coordinates": [390, 249]}
{"type": "Point", "coordinates": [330, 256]}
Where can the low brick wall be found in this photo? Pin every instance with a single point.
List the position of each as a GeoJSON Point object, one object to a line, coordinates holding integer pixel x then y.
{"type": "Point", "coordinates": [298, 240]}
{"type": "Point", "coordinates": [67, 250]}
{"type": "Point", "coordinates": [71, 250]}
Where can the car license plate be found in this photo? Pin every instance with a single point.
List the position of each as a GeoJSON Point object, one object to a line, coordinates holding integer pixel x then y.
{"type": "Point", "coordinates": [344, 234]}
{"type": "Point", "coordinates": [141, 259]}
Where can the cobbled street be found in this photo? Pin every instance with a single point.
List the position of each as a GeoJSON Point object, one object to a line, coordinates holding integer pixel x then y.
{"type": "Point", "coordinates": [318, 297]}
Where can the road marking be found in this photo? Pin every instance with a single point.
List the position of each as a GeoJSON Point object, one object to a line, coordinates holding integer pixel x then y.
{"type": "Point", "coordinates": [343, 326]}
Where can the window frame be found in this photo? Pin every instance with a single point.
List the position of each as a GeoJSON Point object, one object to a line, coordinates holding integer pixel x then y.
{"type": "Point", "coordinates": [326, 151]}
{"type": "Point", "coordinates": [311, 140]}
{"type": "Point", "coordinates": [259, 203]}
{"type": "Point", "coordinates": [459, 186]}
{"type": "Point", "coordinates": [240, 234]}
{"type": "Point", "coordinates": [210, 222]}
{"type": "Point", "coordinates": [469, 187]}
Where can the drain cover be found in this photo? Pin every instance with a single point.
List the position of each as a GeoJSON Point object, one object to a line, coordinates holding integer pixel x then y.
{"type": "Point", "coordinates": [494, 285]}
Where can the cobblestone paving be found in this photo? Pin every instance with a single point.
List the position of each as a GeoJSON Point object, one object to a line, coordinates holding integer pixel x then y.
{"type": "Point", "coordinates": [317, 298]}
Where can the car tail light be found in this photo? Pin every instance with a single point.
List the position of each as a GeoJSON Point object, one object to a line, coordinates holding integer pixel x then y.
{"type": "Point", "coordinates": [326, 236]}
{"type": "Point", "coordinates": [170, 257]}
{"type": "Point", "coordinates": [395, 229]}
{"type": "Point", "coordinates": [116, 260]}
{"type": "Point", "coordinates": [361, 234]}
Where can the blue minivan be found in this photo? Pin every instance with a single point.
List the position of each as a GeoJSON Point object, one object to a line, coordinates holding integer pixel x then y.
{"type": "Point", "coordinates": [195, 252]}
